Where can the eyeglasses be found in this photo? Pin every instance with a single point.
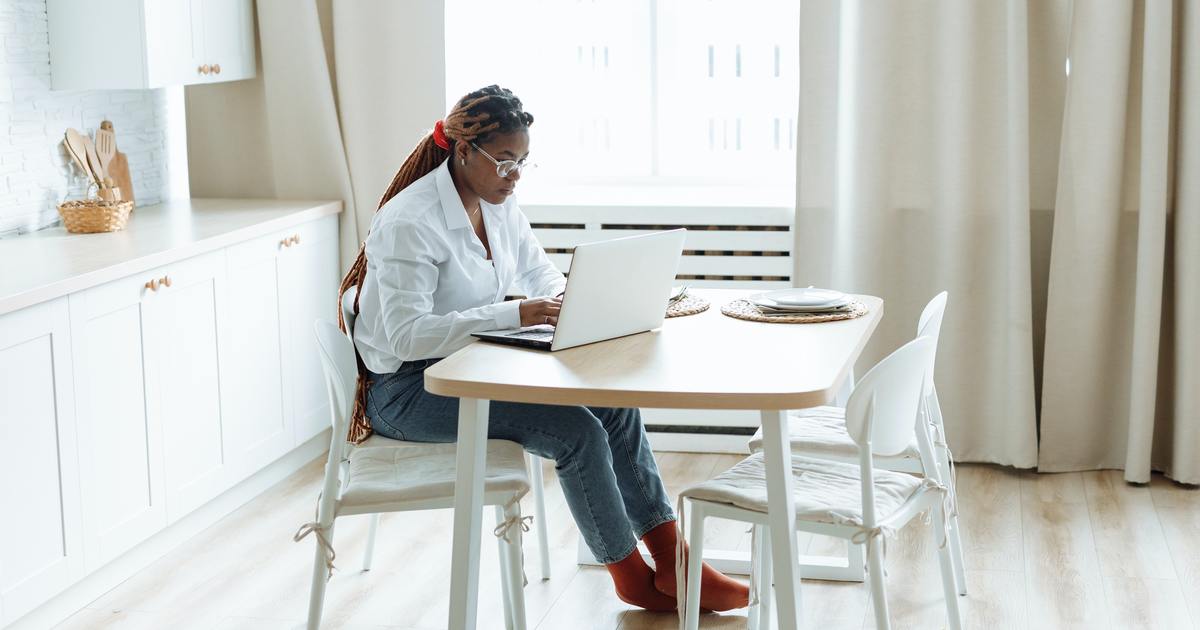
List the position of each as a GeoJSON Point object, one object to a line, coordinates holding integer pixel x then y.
{"type": "Point", "coordinates": [504, 168]}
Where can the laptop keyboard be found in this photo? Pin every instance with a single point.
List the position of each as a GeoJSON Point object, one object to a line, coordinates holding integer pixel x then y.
{"type": "Point", "coordinates": [539, 335]}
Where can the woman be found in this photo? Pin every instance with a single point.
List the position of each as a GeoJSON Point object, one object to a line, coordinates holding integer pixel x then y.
{"type": "Point", "coordinates": [446, 244]}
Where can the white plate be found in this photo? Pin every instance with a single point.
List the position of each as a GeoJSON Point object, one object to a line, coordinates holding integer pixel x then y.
{"type": "Point", "coordinates": [801, 300]}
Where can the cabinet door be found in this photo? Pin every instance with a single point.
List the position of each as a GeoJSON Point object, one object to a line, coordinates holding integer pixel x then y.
{"type": "Point", "coordinates": [41, 553]}
{"type": "Point", "coordinates": [229, 39]}
{"type": "Point", "coordinates": [308, 282]}
{"type": "Point", "coordinates": [256, 429]}
{"type": "Point", "coordinates": [174, 42]}
{"type": "Point", "coordinates": [120, 451]}
{"type": "Point", "coordinates": [183, 392]}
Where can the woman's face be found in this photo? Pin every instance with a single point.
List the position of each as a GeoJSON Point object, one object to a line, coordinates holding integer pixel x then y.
{"type": "Point", "coordinates": [479, 173]}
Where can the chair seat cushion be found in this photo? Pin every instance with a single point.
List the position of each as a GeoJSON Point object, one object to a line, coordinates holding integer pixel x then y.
{"type": "Point", "coordinates": [384, 471]}
{"type": "Point", "coordinates": [821, 432]}
{"type": "Point", "coordinates": [825, 491]}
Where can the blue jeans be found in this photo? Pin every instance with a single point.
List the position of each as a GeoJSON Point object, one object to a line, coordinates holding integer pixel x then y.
{"type": "Point", "coordinates": [602, 456]}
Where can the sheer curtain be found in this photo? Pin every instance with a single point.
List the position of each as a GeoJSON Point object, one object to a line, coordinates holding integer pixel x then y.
{"type": "Point", "coordinates": [945, 146]}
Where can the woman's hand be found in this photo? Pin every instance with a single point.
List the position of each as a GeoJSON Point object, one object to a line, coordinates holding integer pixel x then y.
{"type": "Point", "coordinates": [543, 310]}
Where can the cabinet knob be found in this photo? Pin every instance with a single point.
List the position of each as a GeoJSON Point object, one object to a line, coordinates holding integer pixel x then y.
{"type": "Point", "coordinates": [152, 285]}
{"type": "Point", "coordinates": [287, 242]}
{"type": "Point", "coordinates": [295, 239]}
{"type": "Point", "coordinates": [166, 281]}
{"type": "Point", "coordinates": [204, 69]}
{"type": "Point", "coordinates": [216, 68]}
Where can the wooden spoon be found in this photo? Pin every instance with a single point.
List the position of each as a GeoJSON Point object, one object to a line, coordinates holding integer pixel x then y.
{"type": "Point", "coordinates": [77, 145]}
{"type": "Point", "coordinates": [94, 160]}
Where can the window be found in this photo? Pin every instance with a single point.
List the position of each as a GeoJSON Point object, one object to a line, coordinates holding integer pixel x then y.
{"type": "Point", "coordinates": [649, 98]}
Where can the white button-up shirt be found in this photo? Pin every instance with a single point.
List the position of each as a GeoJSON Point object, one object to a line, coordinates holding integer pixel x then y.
{"type": "Point", "coordinates": [429, 284]}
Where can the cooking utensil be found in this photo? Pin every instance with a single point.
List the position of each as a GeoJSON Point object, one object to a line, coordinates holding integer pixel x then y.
{"type": "Point", "coordinates": [77, 144]}
{"type": "Point", "coordinates": [106, 148]}
{"type": "Point", "coordinates": [93, 160]}
{"type": "Point", "coordinates": [118, 168]}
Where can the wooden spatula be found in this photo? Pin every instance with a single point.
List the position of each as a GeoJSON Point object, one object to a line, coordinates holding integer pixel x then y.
{"type": "Point", "coordinates": [77, 144]}
{"type": "Point", "coordinates": [106, 148]}
{"type": "Point", "coordinates": [93, 160]}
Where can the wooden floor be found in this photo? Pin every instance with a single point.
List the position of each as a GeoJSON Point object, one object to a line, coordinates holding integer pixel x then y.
{"type": "Point", "coordinates": [1077, 550]}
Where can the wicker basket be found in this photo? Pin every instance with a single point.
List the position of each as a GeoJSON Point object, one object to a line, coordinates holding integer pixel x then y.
{"type": "Point", "coordinates": [87, 216]}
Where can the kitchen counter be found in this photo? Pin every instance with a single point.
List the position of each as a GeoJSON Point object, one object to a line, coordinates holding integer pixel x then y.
{"type": "Point", "coordinates": [52, 263]}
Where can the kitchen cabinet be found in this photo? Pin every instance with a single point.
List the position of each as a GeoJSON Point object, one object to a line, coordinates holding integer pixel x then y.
{"type": "Point", "coordinates": [182, 383]}
{"type": "Point", "coordinates": [120, 449]}
{"type": "Point", "coordinates": [144, 374]}
{"type": "Point", "coordinates": [149, 43]}
{"type": "Point", "coordinates": [257, 430]}
{"type": "Point", "coordinates": [39, 479]}
{"type": "Point", "coordinates": [308, 283]}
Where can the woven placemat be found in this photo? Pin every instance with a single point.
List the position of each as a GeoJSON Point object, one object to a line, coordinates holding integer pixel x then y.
{"type": "Point", "coordinates": [741, 309]}
{"type": "Point", "coordinates": [689, 305]}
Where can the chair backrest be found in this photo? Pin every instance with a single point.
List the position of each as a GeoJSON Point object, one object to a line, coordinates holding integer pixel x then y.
{"type": "Point", "coordinates": [884, 402]}
{"type": "Point", "coordinates": [341, 375]}
{"type": "Point", "coordinates": [930, 325]}
{"type": "Point", "coordinates": [348, 314]}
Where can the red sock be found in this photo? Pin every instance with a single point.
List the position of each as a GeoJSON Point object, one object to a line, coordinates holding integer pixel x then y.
{"type": "Point", "coordinates": [635, 585]}
{"type": "Point", "coordinates": [717, 591]}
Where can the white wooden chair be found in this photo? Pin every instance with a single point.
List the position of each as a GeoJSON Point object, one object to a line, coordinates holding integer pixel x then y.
{"type": "Point", "coordinates": [535, 473]}
{"type": "Point", "coordinates": [856, 502]}
{"type": "Point", "coordinates": [821, 432]}
{"type": "Point", "coordinates": [383, 475]}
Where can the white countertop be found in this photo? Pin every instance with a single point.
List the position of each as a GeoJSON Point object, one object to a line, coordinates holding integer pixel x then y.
{"type": "Point", "coordinates": [52, 263]}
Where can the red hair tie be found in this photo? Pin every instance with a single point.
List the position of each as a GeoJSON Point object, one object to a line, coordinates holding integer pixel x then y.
{"type": "Point", "coordinates": [439, 136]}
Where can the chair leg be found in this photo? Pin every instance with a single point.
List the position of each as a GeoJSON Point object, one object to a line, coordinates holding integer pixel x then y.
{"type": "Point", "coordinates": [946, 562]}
{"type": "Point", "coordinates": [878, 589]}
{"type": "Point", "coordinates": [856, 564]}
{"type": "Point", "coordinates": [515, 567]}
{"type": "Point", "coordinates": [506, 594]}
{"type": "Point", "coordinates": [756, 571]}
{"type": "Point", "coordinates": [316, 595]}
{"type": "Point", "coordinates": [767, 590]}
{"type": "Point", "coordinates": [695, 541]}
{"type": "Point", "coordinates": [539, 513]}
{"type": "Point", "coordinates": [955, 541]}
{"type": "Point", "coordinates": [369, 554]}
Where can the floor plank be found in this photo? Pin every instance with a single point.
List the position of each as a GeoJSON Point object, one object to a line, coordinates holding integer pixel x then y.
{"type": "Point", "coordinates": [990, 518]}
{"type": "Point", "coordinates": [1129, 538]}
{"type": "Point", "coordinates": [1182, 528]}
{"type": "Point", "coordinates": [1063, 585]}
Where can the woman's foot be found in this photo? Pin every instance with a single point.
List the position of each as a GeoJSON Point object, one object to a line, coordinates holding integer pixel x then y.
{"type": "Point", "coordinates": [635, 584]}
{"type": "Point", "coordinates": [718, 591]}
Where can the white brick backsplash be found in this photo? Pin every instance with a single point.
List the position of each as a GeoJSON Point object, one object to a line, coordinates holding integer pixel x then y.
{"type": "Point", "coordinates": [35, 171]}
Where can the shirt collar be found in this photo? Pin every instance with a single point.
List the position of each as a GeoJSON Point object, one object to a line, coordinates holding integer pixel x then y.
{"type": "Point", "coordinates": [452, 206]}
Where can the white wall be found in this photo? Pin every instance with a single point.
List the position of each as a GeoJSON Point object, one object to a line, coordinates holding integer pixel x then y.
{"type": "Point", "coordinates": [35, 171]}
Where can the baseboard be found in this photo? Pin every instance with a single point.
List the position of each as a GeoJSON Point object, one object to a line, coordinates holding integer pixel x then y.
{"type": "Point", "coordinates": [104, 579]}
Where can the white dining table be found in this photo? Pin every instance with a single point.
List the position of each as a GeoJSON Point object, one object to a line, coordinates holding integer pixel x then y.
{"type": "Point", "coordinates": [703, 361]}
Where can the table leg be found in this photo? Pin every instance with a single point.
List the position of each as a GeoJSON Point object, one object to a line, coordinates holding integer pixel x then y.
{"type": "Point", "coordinates": [471, 460]}
{"type": "Point", "coordinates": [781, 517]}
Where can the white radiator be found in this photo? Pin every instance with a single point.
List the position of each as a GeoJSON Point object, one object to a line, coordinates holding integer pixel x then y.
{"type": "Point", "coordinates": [745, 248]}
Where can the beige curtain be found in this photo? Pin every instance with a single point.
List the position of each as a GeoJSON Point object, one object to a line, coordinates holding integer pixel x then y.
{"type": "Point", "coordinates": [1122, 343]}
{"type": "Point", "coordinates": [391, 86]}
{"type": "Point", "coordinates": [916, 150]}
{"type": "Point", "coordinates": [345, 89]}
{"type": "Point", "coordinates": [944, 146]}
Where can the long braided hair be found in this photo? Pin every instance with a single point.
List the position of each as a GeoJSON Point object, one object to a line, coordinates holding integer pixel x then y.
{"type": "Point", "coordinates": [475, 118]}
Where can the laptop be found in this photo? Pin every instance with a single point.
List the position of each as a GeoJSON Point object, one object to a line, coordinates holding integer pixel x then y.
{"type": "Point", "coordinates": [614, 288]}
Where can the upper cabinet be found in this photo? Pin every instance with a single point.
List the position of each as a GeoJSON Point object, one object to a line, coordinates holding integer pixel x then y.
{"type": "Point", "coordinates": [132, 44]}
